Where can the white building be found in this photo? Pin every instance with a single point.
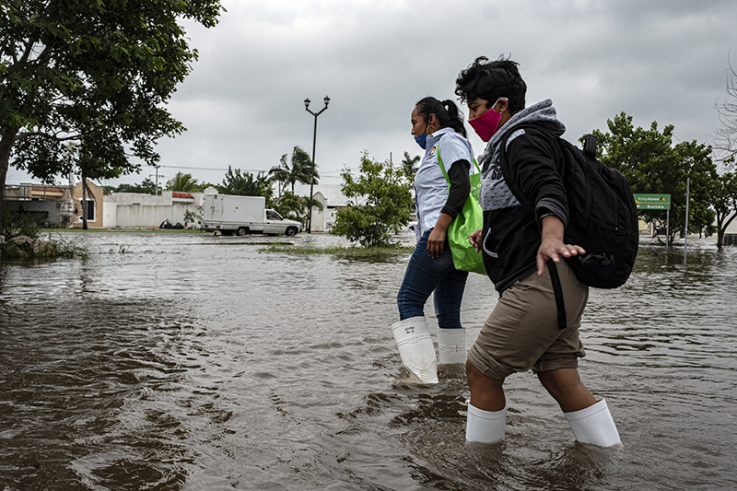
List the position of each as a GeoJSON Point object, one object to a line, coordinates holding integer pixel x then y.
{"type": "Point", "coordinates": [332, 199]}
{"type": "Point", "coordinates": [135, 210]}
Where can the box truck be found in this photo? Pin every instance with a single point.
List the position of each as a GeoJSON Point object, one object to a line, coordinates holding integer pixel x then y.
{"type": "Point", "coordinates": [244, 215]}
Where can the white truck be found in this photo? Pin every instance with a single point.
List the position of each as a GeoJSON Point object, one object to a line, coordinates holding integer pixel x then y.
{"type": "Point", "coordinates": [244, 215]}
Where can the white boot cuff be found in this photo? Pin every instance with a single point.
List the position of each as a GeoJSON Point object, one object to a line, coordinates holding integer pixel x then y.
{"type": "Point", "coordinates": [416, 349]}
{"type": "Point", "coordinates": [451, 346]}
{"type": "Point", "coordinates": [594, 425]}
{"type": "Point", "coordinates": [485, 426]}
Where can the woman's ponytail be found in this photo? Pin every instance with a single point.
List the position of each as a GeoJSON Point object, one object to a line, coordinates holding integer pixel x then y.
{"type": "Point", "coordinates": [455, 117]}
{"type": "Point", "coordinates": [448, 114]}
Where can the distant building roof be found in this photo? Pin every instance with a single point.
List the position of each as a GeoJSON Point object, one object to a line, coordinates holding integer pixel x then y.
{"type": "Point", "coordinates": [47, 190]}
{"type": "Point", "coordinates": [177, 194]}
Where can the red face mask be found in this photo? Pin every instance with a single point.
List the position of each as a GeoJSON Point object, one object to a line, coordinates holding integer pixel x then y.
{"type": "Point", "coordinates": [487, 124]}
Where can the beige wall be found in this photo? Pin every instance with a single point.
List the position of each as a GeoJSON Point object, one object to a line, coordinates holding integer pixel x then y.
{"type": "Point", "coordinates": [96, 196]}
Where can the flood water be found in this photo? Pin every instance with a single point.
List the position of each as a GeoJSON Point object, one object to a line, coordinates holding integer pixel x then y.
{"type": "Point", "coordinates": [190, 362]}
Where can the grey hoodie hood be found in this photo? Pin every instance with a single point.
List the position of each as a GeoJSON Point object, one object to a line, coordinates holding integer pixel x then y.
{"type": "Point", "coordinates": [495, 194]}
{"type": "Point", "coordinates": [541, 114]}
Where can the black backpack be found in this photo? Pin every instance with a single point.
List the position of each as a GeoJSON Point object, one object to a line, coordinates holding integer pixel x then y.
{"type": "Point", "coordinates": [602, 218]}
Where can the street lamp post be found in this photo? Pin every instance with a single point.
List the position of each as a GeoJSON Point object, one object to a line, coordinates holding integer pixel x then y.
{"type": "Point", "coordinates": [326, 100]}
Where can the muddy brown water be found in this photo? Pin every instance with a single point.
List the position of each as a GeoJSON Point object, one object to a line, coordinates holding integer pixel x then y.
{"type": "Point", "coordinates": [189, 362]}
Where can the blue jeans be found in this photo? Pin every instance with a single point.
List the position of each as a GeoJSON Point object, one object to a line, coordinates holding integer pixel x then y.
{"type": "Point", "coordinates": [426, 275]}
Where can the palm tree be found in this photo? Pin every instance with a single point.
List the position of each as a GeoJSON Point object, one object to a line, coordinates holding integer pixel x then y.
{"type": "Point", "coordinates": [280, 174]}
{"type": "Point", "coordinates": [408, 164]}
{"type": "Point", "coordinates": [182, 182]}
{"type": "Point", "coordinates": [300, 170]}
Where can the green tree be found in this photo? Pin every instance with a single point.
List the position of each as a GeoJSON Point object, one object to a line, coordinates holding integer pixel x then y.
{"type": "Point", "coordinates": [695, 158]}
{"type": "Point", "coordinates": [379, 202]}
{"type": "Point", "coordinates": [146, 187]}
{"type": "Point", "coordinates": [182, 182]}
{"type": "Point", "coordinates": [95, 72]}
{"type": "Point", "coordinates": [409, 165]}
{"type": "Point", "coordinates": [652, 164]}
{"type": "Point", "coordinates": [300, 171]}
{"type": "Point", "coordinates": [245, 184]}
{"type": "Point", "coordinates": [724, 201]}
{"type": "Point", "coordinates": [204, 185]}
{"type": "Point", "coordinates": [289, 205]}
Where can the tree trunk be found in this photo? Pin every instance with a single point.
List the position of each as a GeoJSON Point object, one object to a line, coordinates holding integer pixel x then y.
{"type": "Point", "coordinates": [7, 139]}
{"type": "Point", "coordinates": [84, 204]}
{"type": "Point", "coordinates": [722, 224]}
{"type": "Point", "coordinates": [89, 191]}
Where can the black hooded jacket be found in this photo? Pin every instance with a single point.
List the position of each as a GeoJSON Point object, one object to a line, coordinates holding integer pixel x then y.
{"type": "Point", "coordinates": [511, 235]}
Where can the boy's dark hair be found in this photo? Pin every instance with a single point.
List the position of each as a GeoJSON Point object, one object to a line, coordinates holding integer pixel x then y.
{"type": "Point", "coordinates": [446, 111]}
{"type": "Point", "coordinates": [490, 80]}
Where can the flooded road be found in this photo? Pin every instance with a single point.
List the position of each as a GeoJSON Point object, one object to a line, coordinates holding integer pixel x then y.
{"type": "Point", "coordinates": [189, 362]}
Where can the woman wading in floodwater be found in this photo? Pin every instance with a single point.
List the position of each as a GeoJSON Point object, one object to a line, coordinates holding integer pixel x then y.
{"type": "Point", "coordinates": [438, 129]}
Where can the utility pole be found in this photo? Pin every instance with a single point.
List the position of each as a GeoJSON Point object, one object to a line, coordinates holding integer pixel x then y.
{"type": "Point", "coordinates": [157, 178]}
{"type": "Point", "coordinates": [685, 233]}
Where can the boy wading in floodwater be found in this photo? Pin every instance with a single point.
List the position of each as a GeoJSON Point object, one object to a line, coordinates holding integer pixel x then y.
{"type": "Point", "coordinates": [521, 251]}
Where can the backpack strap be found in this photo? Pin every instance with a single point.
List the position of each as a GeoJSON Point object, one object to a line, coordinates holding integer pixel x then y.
{"type": "Point", "coordinates": [558, 291]}
{"type": "Point", "coordinates": [527, 205]}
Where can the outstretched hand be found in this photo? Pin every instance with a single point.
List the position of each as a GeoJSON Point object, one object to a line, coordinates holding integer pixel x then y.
{"type": "Point", "coordinates": [552, 245]}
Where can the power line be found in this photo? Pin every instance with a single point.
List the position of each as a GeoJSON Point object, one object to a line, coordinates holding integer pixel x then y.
{"type": "Point", "coordinates": [203, 168]}
{"type": "Point", "coordinates": [327, 174]}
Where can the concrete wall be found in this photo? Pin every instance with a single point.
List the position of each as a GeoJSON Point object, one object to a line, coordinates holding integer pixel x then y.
{"type": "Point", "coordinates": [732, 228]}
{"type": "Point", "coordinates": [134, 210]}
{"type": "Point", "coordinates": [110, 216]}
{"type": "Point", "coordinates": [149, 216]}
{"type": "Point", "coordinates": [319, 220]}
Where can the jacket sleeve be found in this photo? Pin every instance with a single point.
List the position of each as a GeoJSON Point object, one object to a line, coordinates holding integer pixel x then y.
{"type": "Point", "coordinates": [533, 163]}
{"type": "Point", "coordinates": [460, 188]}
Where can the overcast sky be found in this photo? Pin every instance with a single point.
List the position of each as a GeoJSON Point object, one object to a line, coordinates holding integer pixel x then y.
{"type": "Point", "coordinates": [656, 60]}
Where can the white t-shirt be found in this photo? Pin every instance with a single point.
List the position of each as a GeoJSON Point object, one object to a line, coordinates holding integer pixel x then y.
{"type": "Point", "coordinates": [431, 188]}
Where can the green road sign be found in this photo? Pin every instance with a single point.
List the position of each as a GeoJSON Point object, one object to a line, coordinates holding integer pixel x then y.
{"type": "Point", "coordinates": [652, 201]}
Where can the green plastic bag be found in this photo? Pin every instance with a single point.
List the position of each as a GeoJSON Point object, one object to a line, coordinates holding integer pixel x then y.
{"type": "Point", "coordinates": [470, 219]}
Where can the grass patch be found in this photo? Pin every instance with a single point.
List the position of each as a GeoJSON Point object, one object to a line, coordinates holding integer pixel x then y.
{"type": "Point", "coordinates": [342, 251]}
{"type": "Point", "coordinates": [42, 249]}
{"type": "Point", "coordinates": [68, 249]}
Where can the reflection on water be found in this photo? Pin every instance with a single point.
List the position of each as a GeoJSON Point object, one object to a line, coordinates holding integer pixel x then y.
{"type": "Point", "coordinates": [193, 362]}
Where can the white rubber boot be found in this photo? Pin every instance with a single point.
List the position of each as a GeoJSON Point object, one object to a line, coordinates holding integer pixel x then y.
{"type": "Point", "coordinates": [594, 425]}
{"type": "Point", "coordinates": [416, 349]}
{"type": "Point", "coordinates": [485, 426]}
{"type": "Point", "coordinates": [451, 346]}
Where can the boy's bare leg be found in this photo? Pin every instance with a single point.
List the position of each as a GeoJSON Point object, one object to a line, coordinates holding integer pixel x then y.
{"type": "Point", "coordinates": [567, 389]}
{"type": "Point", "coordinates": [486, 393]}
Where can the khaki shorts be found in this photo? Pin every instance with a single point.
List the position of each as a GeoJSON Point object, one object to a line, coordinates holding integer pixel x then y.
{"type": "Point", "coordinates": [522, 331]}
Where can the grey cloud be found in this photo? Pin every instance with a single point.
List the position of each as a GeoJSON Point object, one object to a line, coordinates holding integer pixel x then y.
{"type": "Point", "coordinates": [658, 60]}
